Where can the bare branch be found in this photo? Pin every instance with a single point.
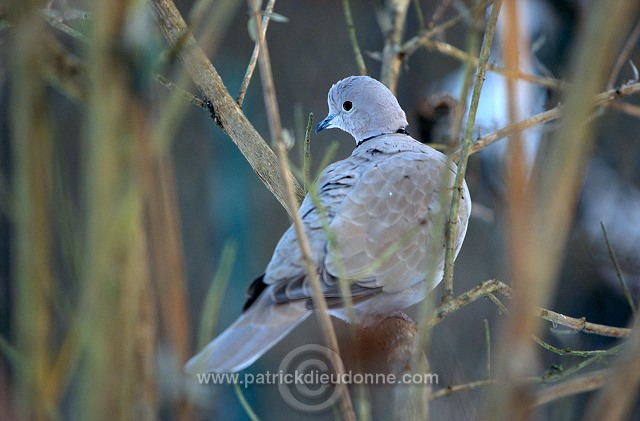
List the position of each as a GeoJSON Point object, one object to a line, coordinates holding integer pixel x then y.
{"type": "Point", "coordinates": [412, 45]}
{"type": "Point", "coordinates": [581, 325]}
{"type": "Point", "coordinates": [351, 28]}
{"type": "Point", "coordinates": [261, 34]}
{"type": "Point", "coordinates": [482, 290]}
{"type": "Point", "coordinates": [452, 225]}
{"type": "Point", "coordinates": [624, 55]}
{"type": "Point", "coordinates": [451, 51]}
{"type": "Point", "coordinates": [391, 57]}
{"type": "Point", "coordinates": [605, 98]}
{"type": "Point", "coordinates": [450, 390]}
{"type": "Point", "coordinates": [266, 76]}
{"type": "Point", "coordinates": [616, 265]}
{"type": "Point", "coordinates": [226, 111]}
{"type": "Point", "coordinates": [582, 384]}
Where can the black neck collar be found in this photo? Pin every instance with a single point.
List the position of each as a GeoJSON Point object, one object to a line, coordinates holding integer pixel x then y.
{"type": "Point", "coordinates": [401, 130]}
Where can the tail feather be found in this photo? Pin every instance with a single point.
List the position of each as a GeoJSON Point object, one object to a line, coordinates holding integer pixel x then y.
{"type": "Point", "coordinates": [257, 330]}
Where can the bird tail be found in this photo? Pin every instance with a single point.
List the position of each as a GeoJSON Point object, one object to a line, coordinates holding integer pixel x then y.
{"type": "Point", "coordinates": [257, 330]}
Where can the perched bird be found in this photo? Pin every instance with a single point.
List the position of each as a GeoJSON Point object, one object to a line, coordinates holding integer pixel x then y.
{"type": "Point", "coordinates": [378, 222]}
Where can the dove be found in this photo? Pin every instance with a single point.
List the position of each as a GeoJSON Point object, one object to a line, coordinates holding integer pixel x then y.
{"type": "Point", "coordinates": [377, 222]}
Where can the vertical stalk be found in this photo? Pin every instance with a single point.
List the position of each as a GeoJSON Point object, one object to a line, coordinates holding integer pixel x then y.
{"type": "Point", "coordinates": [31, 212]}
{"type": "Point", "coordinates": [115, 379]}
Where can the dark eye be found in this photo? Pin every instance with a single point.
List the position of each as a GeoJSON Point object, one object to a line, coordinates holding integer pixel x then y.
{"type": "Point", "coordinates": [347, 106]}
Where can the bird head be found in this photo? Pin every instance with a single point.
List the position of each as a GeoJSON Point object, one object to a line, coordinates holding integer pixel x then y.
{"type": "Point", "coordinates": [363, 107]}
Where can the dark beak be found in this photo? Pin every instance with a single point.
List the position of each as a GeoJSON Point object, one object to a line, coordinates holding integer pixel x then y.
{"type": "Point", "coordinates": [325, 124]}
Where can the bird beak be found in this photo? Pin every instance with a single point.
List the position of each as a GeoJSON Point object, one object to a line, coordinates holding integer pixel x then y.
{"type": "Point", "coordinates": [325, 124]}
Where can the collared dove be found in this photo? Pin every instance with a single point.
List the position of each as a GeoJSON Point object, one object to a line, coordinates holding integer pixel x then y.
{"type": "Point", "coordinates": [382, 208]}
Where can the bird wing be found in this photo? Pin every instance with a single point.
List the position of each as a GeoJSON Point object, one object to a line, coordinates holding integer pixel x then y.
{"type": "Point", "coordinates": [387, 227]}
{"type": "Point", "coordinates": [374, 228]}
{"type": "Point", "coordinates": [286, 269]}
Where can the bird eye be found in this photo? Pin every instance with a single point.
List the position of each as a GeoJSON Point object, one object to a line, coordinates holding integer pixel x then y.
{"type": "Point", "coordinates": [347, 106]}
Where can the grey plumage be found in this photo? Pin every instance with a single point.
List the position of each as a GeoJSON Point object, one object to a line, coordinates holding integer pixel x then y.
{"type": "Point", "coordinates": [380, 207]}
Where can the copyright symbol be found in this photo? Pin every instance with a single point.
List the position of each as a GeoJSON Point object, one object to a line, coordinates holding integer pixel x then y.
{"type": "Point", "coordinates": [309, 374]}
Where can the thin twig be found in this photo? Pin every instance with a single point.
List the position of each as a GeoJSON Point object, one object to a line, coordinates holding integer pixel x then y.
{"type": "Point", "coordinates": [568, 351]}
{"type": "Point", "coordinates": [260, 36]}
{"type": "Point", "coordinates": [244, 403]}
{"type": "Point", "coordinates": [467, 79]}
{"type": "Point", "coordinates": [213, 299]}
{"type": "Point", "coordinates": [624, 55]}
{"type": "Point", "coordinates": [420, 16]}
{"type": "Point", "coordinates": [351, 29]}
{"type": "Point", "coordinates": [502, 309]}
{"type": "Point", "coordinates": [482, 290]}
{"type": "Point", "coordinates": [306, 162]}
{"type": "Point", "coordinates": [616, 265]}
{"type": "Point", "coordinates": [452, 225]}
{"type": "Point", "coordinates": [412, 45]}
{"type": "Point", "coordinates": [585, 383]}
{"type": "Point", "coordinates": [193, 99]}
{"type": "Point", "coordinates": [581, 325]}
{"type": "Point", "coordinates": [439, 12]}
{"type": "Point", "coordinates": [491, 138]}
{"type": "Point", "coordinates": [555, 373]}
{"type": "Point", "coordinates": [59, 24]}
{"type": "Point", "coordinates": [266, 77]}
{"type": "Point", "coordinates": [449, 390]}
{"type": "Point", "coordinates": [625, 107]}
{"type": "Point", "coordinates": [487, 338]}
{"type": "Point", "coordinates": [451, 51]}
{"type": "Point", "coordinates": [492, 286]}
{"type": "Point", "coordinates": [391, 58]}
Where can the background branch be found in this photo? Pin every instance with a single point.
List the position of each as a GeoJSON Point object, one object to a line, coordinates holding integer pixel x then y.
{"type": "Point", "coordinates": [226, 111]}
{"type": "Point", "coordinates": [452, 225]}
{"type": "Point", "coordinates": [581, 384]}
{"type": "Point", "coordinates": [261, 32]}
{"type": "Point", "coordinates": [351, 29]}
{"type": "Point", "coordinates": [266, 76]}
{"type": "Point", "coordinates": [392, 58]}
{"type": "Point", "coordinates": [604, 98]}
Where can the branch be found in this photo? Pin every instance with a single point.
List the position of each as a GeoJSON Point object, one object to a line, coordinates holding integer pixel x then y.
{"type": "Point", "coordinates": [616, 265]}
{"type": "Point", "coordinates": [585, 383]}
{"type": "Point", "coordinates": [226, 111]}
{"type": "Point", "coordinates": [452, 225]}
{"type": "Point", "coordinates": [391, 56]}
{"type": "Point", "coordinates": [492, 286]}
{"type": "Point", "coordinates": [624, 55]}
{"type": "Point", "coordinates": [451, 51]}
{"type": "Point", "coordinates": [412, 45]}
{"type": "Point", "coordinates": [261, 32]}
{"type": "Point", "coordinates": [450, 390]}
{"type": "Point", "coordinates": [581, 325]}
{"type": "Point", "coordinates": [483, 290]}
{"type": "Point", "coordinates": [351, 28]}
{"type": "Point", "coordinates": [266, 76]}
{"type": "Point", "coordinates": [604, 98]}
